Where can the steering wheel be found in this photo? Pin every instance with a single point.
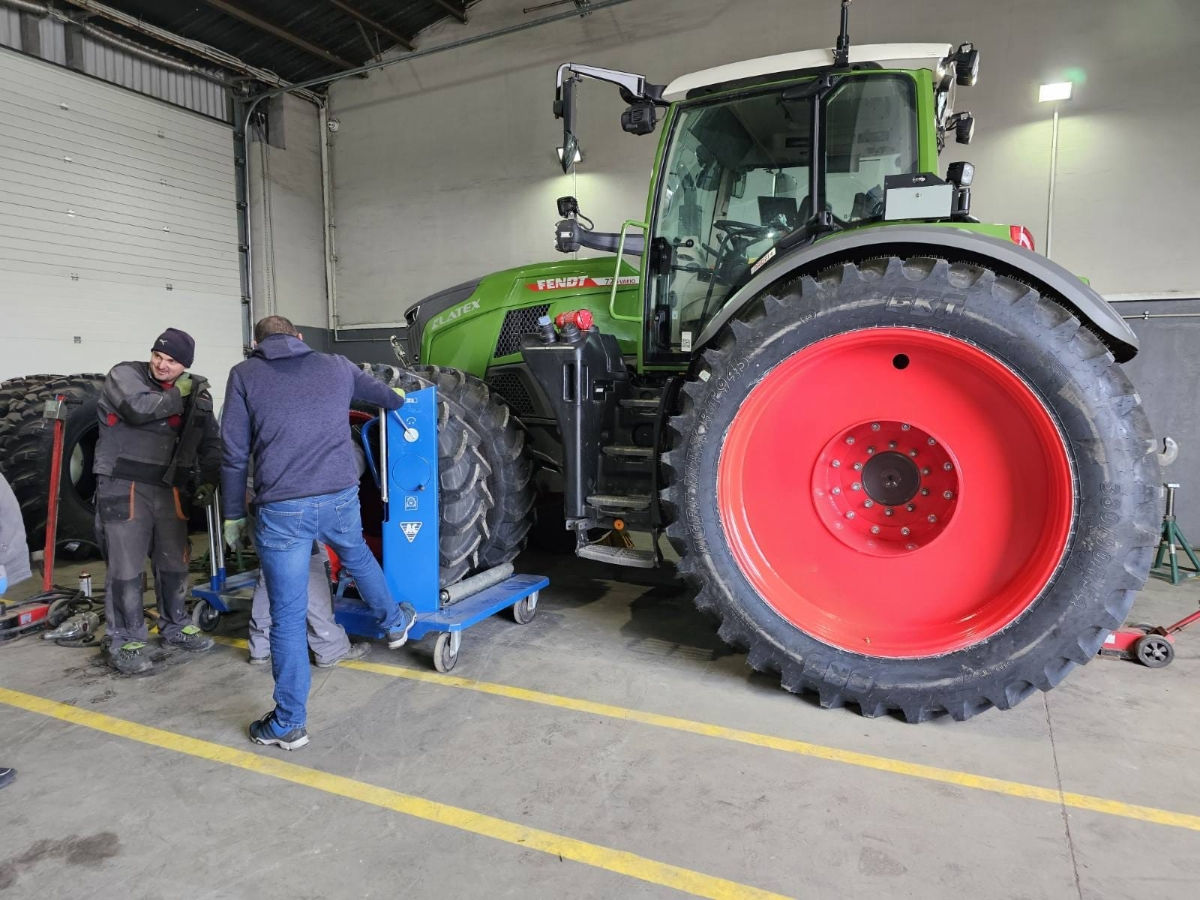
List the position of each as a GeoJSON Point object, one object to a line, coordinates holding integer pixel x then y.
{"type": "Point", "coordinates": [740, 229]}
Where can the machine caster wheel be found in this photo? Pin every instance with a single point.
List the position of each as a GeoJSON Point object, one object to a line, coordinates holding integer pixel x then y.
{"type": "Point", "coordinates": [445, 650]}
{"type": "Point", "coordinates": [525, 609]}
{"type": "Point", "coordinates": [204, 616]}
{"type": "Point", "coordinates": [1154, 651]}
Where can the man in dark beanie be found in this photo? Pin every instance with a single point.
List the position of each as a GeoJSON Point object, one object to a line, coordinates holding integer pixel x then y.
{"type": "Point", "coordinates": [158, 437]}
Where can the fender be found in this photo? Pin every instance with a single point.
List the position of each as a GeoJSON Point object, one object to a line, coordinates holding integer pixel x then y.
{"type": "Point", "coordinates": [938, 240]}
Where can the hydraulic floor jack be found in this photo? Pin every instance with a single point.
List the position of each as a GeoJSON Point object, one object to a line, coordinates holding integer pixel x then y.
{"type": "Point", "coordinates": [406, 470]}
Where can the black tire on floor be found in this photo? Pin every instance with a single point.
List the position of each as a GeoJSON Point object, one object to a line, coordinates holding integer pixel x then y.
{"type": "Point", "coordinates": [13, 393]}
{"type": "Point", "coordinates": [503, 444]}
{"type": "Point", "coordinates": [462, 484]}
{"type": "Point", "coordinates": [28, 452]}
{"type": "Point", "coordinates": [1101, 426]}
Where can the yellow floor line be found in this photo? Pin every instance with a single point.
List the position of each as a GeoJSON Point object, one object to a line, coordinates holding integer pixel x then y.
{"type": "Point", "coordinates": [600, 857]}
{"type": "Point", "coordinates": [801, 748]}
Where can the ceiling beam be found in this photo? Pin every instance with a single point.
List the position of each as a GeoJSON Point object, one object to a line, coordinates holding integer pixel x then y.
{"type": "Point", "coordinates": [458, 10]}
{"type": "Point", "coordinates": [282, 33]}
{"type": "Point", "coordinates": [371, 23]}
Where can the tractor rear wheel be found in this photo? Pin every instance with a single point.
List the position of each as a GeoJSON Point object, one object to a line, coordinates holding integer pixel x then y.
{"type": "Point", "coordinates": [28, 451]}
{"type": "Point", "coordinates": [503, 444]}
{"type": "Point", "coordinates": [912, 485]}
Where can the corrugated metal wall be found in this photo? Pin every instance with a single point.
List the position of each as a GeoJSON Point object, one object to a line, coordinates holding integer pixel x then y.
{"type": "Point", "coordinates": [117, 219]}
{"type": "Point", "coordinates": [109, 63]}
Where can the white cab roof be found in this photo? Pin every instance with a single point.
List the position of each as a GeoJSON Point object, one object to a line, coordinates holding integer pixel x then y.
{"type": "Point", "coordinates": [928, 54]}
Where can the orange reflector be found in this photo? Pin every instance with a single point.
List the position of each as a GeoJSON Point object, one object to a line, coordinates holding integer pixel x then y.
{"type": "Point", "coordinates": [618, 524]}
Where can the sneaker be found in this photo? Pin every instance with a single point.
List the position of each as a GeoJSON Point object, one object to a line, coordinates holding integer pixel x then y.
{"type": "Point", "coordinates": [398, 634]}
{"type": "Point", "coordinates": [356, 651]}
{"type": "Point", "coordinates": [128, 659]}
{"type": "Point", "coordinates": [259, 660]}
{"type": "Point", "coordinates": [266, 731]}
{"type": "Point", "coordinates": [189, 638]}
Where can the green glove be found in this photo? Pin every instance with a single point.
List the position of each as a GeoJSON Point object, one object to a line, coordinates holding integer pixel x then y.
{"type": "Point", "coordinates": [399, 391]}
{"type": "Point", "coordinates": [234, 530]}
{"type": "Point", "coordinates": [184, 383]}
{"type": "Point", "coordinates": [203, 495]}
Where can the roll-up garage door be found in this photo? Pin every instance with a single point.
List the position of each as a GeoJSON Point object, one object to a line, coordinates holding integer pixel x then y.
{"type": "Point", "coordinates": [117, 219]}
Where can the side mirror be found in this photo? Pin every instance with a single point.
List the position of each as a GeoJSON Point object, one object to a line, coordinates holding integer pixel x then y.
{"type": "Point", "coordinates": [564, 108]}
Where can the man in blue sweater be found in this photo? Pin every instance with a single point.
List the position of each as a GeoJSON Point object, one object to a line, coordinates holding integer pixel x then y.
{"type": "Point", "coordinates": [287, 406]}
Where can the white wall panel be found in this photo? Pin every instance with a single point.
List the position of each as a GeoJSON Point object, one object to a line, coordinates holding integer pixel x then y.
{"type": "Point", "coordinates": [117, 219]}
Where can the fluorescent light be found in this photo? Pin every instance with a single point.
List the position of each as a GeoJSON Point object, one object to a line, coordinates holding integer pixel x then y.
{"type": "Point", "coordinates": [578, 155]}
{"type": "Point", "coordinates": [1059, 90]}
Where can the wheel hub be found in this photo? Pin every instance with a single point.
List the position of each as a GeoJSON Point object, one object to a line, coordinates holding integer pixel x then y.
{"type": "Point", "coordinates": [885, 487]}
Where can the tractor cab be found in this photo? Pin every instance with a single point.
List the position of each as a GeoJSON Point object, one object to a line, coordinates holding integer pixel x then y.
{"type": "Point", "coordinates": [765, 155]}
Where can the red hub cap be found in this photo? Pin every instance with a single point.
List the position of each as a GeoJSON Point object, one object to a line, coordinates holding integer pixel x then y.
{"type": "Point", "coordinates": [895, 492]}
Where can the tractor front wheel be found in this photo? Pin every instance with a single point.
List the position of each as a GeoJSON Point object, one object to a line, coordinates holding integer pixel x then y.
{"type": "Point", "coordinates": [912, 485]}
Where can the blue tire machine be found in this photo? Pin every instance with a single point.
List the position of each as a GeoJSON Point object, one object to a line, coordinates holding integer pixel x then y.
{"type": "Point", "coordinates": [406, 470]}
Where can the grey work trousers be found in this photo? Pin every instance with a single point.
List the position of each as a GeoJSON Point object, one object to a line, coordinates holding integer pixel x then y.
{"type": "Point", "coordinates": [326, 638]}
{"type": "Point", "coordinates": [135, 521]}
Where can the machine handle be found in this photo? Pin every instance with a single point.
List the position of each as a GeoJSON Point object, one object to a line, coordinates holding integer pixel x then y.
{"type": "Point", "coordinates": [381, 477]}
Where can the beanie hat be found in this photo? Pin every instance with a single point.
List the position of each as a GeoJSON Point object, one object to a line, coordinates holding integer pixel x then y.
{"type": "Point", "coordinates": [179, 345]}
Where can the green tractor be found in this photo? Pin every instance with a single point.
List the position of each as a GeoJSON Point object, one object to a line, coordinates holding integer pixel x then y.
{"type": "Point", "coordinates": [893, 447]}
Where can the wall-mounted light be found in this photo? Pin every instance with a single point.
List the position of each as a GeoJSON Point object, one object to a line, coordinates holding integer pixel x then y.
{"type": "Point", "coordinates": [578, 154]}
{"type": "Point", "coordinates": [1058, 90]}
{"type": "Point", "coordinates": [1052, 93]}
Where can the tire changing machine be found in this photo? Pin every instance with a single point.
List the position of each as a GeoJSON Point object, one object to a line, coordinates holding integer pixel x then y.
{"type": "Point", "coordinates": [406, 470]}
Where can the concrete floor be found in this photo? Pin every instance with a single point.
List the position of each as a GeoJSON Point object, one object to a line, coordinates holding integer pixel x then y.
{"type": "Point", "coordinates": [93, 814]}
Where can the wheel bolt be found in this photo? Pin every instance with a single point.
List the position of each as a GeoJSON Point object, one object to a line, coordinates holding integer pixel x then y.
{"type": "Point", "coordinates": [947, 466]}
{"type": "Point", "coordinates": [858, 467]}
{"type": "Point", "coordinates": [857, 486]}
{"type": "Point", "coordinates": [836, 491]}
{"type": "Point", "coordinates": [891, 445]}
{"type": "Point", "coordinates": [906, 531]}
{"type": "Point", "coordinates": [870, 451]}
{"type": "Point", "coordinates": [949, 495]}
{"type": "Point", "coordinates": [905, 427]}
{"type": "Point", "coordinates": [932, 517]}
{"type": "Point", "coordinates": [910, 507]}
{"type": "Point", "coordinates": [925, 471]}
{"type": "Point", "coordinates": [874, 529]}
{"type": "Point", "coordinates": [868, 503]}
{"type": "Point", "coordinates": [912, 452]}
{"type": "Point", "coordinates": [889, 511]}
{"type": "Point", "coordinates": [910, 546]}
{"type": "Point", "coordinates": [837, 463]}
{"type": "Point", "coordinates": [874, 426]}
{"type": "Point", "coordinates": [924, 492]}
{"type": "Point", "coordinates": [850, 440]}
{"type": "Point", "coordinates": [850, 514]}
{"type": "Point", "coordinates": [932, 442]}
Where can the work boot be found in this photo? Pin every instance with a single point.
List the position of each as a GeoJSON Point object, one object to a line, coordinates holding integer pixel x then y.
{"type": "Point", "coordinates": [189, 638]}
{"type": "Point", "coordinates": [398, 634]}
{"type": "Point", "coordinates": [259, 660]}
{"type": "Point", "coordinates": [267, 731]}
{"type": "Point", "coordinates": [128, 659]}
{"type": "Point", "coordinates": [356, 651]}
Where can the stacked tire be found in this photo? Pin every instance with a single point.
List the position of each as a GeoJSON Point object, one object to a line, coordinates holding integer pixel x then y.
{"type": "Point", "coordinates": [26, 455]}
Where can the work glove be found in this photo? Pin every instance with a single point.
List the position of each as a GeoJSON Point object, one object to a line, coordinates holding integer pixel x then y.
{"type": "Point", "coordinates": [399, 392]}
{"type": "Point", "coordinates": [203, 495]}
{"type": "Point", "coordinates": [234, 530]}
{"type": "Point", "coordinates": [184, 384]}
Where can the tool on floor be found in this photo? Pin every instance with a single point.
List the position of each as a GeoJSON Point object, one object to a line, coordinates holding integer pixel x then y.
{"type": "Point", "coordinates": [1151, 645]}
{"type": "Point", "coordinates": [1171, 540]}
{"type": "Point", "coordinates": [406, 471]}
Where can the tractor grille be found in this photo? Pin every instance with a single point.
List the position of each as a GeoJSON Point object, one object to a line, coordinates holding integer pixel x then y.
{"type": "Point", "coordinates": [510, 387]}
{"type": "Point", "coordinates": [517, 323]}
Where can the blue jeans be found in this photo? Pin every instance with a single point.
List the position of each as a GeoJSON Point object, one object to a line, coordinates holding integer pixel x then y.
{"type": "Point", "coordinates": [284, 532]}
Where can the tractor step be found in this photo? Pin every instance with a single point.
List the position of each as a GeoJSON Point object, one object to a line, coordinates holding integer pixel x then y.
{"type": "Point", "coordinates": [629, 451]}
{"type": "Point", "coordinates": [619, 556]}
{"type": "Point", "coordinates": [642, 404]}
{"type": "Point", "coordinates": [619, 501]}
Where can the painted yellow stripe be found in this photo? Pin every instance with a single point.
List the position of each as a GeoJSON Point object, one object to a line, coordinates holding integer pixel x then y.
{"type": "Point", "coordinates": [601, 857]}
{"type": "Point", "coordinates": [801, 748]}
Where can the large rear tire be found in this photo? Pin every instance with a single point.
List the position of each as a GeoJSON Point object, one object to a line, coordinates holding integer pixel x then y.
{"type": "Point", "coordinates": [912, 485]}
{"type": "Point", "coordinates": [503, 444]}
{"type": "Point", "coordinates": [28, 453]}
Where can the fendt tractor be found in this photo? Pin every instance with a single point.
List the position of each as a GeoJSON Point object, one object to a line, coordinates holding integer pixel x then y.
{"type": "Point", "coordinates": [893, 447]}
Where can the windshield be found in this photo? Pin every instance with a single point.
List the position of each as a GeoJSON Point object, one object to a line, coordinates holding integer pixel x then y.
{"type": "Point", "coordinates": [736, 180]}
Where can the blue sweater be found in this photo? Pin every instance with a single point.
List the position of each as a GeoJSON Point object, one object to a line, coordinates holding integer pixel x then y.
{"type": "Point", "coordinates": [288, 406]}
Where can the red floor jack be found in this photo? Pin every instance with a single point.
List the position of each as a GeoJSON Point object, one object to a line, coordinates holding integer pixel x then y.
{"type": "Point", "coordinates": [1151, 645]}
{"type": "Point", "coordinates": [18, 619]}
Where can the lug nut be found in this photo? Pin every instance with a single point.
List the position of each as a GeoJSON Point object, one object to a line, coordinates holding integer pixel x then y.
{"type": "Point", "coordinates": [949, 495]}
{"type": "Point", "coordinates": [906, 531]}
{"type": "Point", "coordinates": [925, 471]}
{"type": "Point", "coordinates": [858, 467]}
{"type": "Point", "coordinates": [932, 442]}
{"type": "Point", "coordinates": [836, 491]}
{"type": "Point", "coordinates": [889, 511]}
{"type": "Point", "coordinates": [850, 514]}
{"type": "Point", "coordinates": [850, 440]}
{"type": "Point", "coordinates": [932, 517]}
{"type": "Point", "coordinates": [891, 445]}
{"type": "Point", "coordinates": [910, 546]}
{"type": "Point", "coordinates": [924, 492]}
{"type": "Point", "coordinates": [837, 463]}
{"type": "Point", "coordinates": [870, 451]}
{"type": "Point", "coordinates": [912, 452]}
{"type": "Point", "coordinates": [947, 466]}
{"type": "Point", "coordinates": [904, 427]}
{"type": "Point", "coordinates": [874, 529]}
{"type": "Point", "coordinates": [874, 426]}
{"type": "Point", "coordinates": [868, 503]}
{"type": "Point", "coordinates": [857, 486]}
{"type": "Point", "coordinates": [910, 507]}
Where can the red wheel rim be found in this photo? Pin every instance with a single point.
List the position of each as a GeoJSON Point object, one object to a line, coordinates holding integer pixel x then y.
{"type": "Point", "coordinates": [963, 507]}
